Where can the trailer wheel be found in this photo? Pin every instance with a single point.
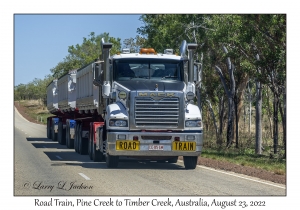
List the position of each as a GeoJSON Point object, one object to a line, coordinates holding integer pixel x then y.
{"type": "Point", "coordinates": [59, 134]}
{"type": "Point", "coordinates": [97, 155]}
{"type": "Point", "coordinates": [190, 162]}
{"type": "Point", "coordinates": [76, 138]}
{"type": "Point", "coordinates": [82, 143]}
{"type": "Point", "coordinates": [53, 135]}
{"type": "Point", "coordinates": [67, 136]}
{"type": "Point", "coordinates": [48, 129]}
{"type": "Point", "coordinates": [90, 146]}
{"type": "Point", "coordinates": [112, 161]}
{"type": "Point", "coordinates": [173, 160]}
{"type": "Point", "coordinates": [63, 136]}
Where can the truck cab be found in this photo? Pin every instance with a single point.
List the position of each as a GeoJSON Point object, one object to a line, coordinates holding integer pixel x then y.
{"type": "Point", "coordinates": [150, 111]}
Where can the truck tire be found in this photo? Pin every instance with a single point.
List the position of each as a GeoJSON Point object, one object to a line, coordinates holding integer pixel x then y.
{"type": "Point", "coordinates": [53, 134]}
{"type": "Point", "coordinates": [76, 138]}
{"type": "Point", "coordinates": [173, 160]}
{"type": "Point", "coordinates": [97, 155]}
{"type": "Point", "coordinates": [67, 136]}
{"type": "Point", "coordinates": [112, 161]}
{"type": "Point", "coordinates": [82, 143]}
{"type": "Point", "coordinates": [48, 129]}
{"type": "Point", "coordinates": [90, 147]}
{"type": "Point", "coordinates": [59, 134]}
{"type": "Point", "coordinates": [63, 136]}
{"type": "Point", "coordinates": [190, 162]}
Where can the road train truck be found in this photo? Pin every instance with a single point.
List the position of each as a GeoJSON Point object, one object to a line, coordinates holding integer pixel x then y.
{"type": "Point", "coordinates": [129, 105]}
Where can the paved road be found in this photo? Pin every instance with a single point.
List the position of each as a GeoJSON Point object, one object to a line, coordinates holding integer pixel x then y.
{"type": "Point", "coordinates": [44, 167]}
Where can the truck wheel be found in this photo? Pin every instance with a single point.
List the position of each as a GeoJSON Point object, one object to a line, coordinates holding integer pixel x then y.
{"type": "Point", "coordinates": [90, 148]}
{"type": "Point", "coordinates": [48, 129]}
{"type": "Point", "coordinates": [112, 161]}
{"type": "Point", "coordinates": [67, 137]}
{"type": "Point", "coordinates": [190, 162]}
{"type": "Point", "coordinates": [53, 135]}
{"type": "Point", "coordinates": [173, 160]}
{"type": "Point", "coordinates": [82, 143]}
{"type": "Point", "coordinates": [97, 156]}
{"type": "Point", "coordinates": [59, 134]}
{"type": "Point", "coordinates": [76, 138]}
{"type": "Point", "coordinates": [63, 136]}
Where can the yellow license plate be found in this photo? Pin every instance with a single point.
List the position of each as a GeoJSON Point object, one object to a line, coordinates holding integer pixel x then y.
{"type": "Point", "coordinates": [184, 146]}
{"type": "Point", "coordinates": [127, 145]}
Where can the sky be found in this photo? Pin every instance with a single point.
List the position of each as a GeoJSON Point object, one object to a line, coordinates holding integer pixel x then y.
{"type": "Point", "coordinates": [41, 41]}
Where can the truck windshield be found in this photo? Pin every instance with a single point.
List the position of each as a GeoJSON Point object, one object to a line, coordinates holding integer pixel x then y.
{"type": "Point", "coordinates": [151, 69]}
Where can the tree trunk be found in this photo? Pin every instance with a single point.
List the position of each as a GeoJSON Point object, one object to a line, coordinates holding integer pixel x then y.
{"type": "Point", "coordinates": [275, 140]}
{"type": "Point", "coordinates": [269, 113]}
{"type": "Point", "coordinates": [283, 117]}
{"type": "Point", "coordinates": [221, 115]}
{"type": "Point", "coordinates": [258, 114]}
{"type": "Point", "coordinates": [230, 124]}
{"type": "Point", "coordinates": [236, 123]}
{"type": "Point", "coordinates": [218, 142]}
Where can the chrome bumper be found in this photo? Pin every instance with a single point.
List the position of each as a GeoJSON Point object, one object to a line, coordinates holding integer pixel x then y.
{"type": "Point", "coordinates": [144, 144]}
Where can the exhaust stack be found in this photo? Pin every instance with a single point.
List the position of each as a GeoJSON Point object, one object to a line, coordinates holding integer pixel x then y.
{"type": "Point", "coordinates": [105, 54]}
{"type": "Point", "coordinates": [191, 48]}
{"type": "Point", "coordinates": [182, 48]}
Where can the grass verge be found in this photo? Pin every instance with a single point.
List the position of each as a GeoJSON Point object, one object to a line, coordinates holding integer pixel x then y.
{"type": "Point", "coordinates": [33, 110]}
{"type": "Point", "coordinates": [249, 158]}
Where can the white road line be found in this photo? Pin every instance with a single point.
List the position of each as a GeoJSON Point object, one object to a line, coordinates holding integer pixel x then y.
{"type": "Point", "coordinates": [84, 176]}
{"type": "Point", "coordinates": [242, 177]}
{"type": "Point", "coordinates": [58, 157]}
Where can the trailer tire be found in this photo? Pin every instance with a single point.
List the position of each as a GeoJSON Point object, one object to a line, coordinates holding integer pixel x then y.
{"type": "Point", "coordinates": [76, 138]}
{"type": "Point", "coordinates": [82, 144]}
{"type": "Point", "coordinates": [112, 161]}
{"type": "Point", "coordinates": [67, 136]}
{"type": "Point", "coordinates": [173, 160]}
{"type": "Point", "coordinates": [53, 135]}
{"type": "Point", "coordinates": [59, 133]}
{"type": "Point", "coordinates": [63, 136]}
{"type": "Point", "coordinates": [48, 129]}
{"type": "Point", "coordinates": [97, 155]}
{"type": "Point", "coordinates": [90, 147]}
{"type": "Point", "coordinates": [190, 162]}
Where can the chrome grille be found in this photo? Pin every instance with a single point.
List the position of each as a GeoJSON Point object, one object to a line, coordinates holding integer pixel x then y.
{"type": "Point", "coordinates": [160, 113]}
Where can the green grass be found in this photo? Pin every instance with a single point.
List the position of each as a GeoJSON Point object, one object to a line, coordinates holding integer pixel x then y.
{"type": "Point", "coordinates": [248, 158]}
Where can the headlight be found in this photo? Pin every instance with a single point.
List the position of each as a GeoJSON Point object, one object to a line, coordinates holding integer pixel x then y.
{"type": "Point", "coordinates": [118, 123]}
{"type": "Point", "coordinates": [193, 123]}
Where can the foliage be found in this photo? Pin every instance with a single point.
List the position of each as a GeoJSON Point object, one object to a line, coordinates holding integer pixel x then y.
{"type": "Point", "coordinates": [88, 51]}
{"type": "Point", "coordinates": [134, 44]}
{"type": "Point", "coordinates": [247, 38]}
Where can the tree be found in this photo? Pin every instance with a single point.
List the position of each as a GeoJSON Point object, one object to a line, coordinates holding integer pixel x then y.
{"type": "Point", "coordinates": [230, 92]}
{"type": "Point", "coordinates": [134, 44]}
{"type": "Point", "coordinates": [88, 51]}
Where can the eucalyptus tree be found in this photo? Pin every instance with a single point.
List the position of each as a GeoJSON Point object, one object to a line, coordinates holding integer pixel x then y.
{"type": "Point", "coordinates": [134, 44]}
{"type": "Point", "coordinates": [82, 54]}
{"type": "Point", "coordinates": [269, 42]}
{"type": "Point", "coordinates": [164, 31]}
